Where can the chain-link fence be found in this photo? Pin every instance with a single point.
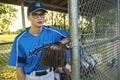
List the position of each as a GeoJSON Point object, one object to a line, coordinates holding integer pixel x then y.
{"type": "Point", "coordinates": [6, 72]}
{"type": "Point", "coordinates": [97, 26]}
{"type": "Point", "coordinates": [98, 35]}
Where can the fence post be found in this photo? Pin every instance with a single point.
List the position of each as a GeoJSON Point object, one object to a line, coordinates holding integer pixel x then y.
{"type": "Point", "coordinates": [94, 33]}
{"type": "Point", "coordinates": [23, 14]}
{"type": "Point", "coordinates": [119, 40]}
{"type": "Point", "coordinates": [73, 23]}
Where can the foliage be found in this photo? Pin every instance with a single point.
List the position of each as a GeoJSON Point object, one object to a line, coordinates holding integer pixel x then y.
{"type": "Point", "coordinates": [57, 19]}
{"type": "Point", "coordinates": [7, 15]}
{"type": "Point", "coordinates": [105, 18]}
{"type": "Point", "coordinates": [18, 31]}
{"type": "Point", "coordinates": [97, 23]}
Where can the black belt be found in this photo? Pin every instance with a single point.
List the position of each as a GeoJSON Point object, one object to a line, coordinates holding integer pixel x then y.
{"type": "Point", "coordinates": [41, 73]}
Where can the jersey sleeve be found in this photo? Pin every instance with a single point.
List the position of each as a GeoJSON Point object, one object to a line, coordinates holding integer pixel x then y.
{"type": "Point", "coordinates": [17, 57]}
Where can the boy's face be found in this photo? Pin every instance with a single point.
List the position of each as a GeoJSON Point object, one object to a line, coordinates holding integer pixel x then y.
{"type": "Point", "coordinates": [37, 18]}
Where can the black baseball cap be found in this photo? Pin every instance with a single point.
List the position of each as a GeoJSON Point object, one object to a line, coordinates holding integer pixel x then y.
{"type": "Point", "coordinates": [35, 6]}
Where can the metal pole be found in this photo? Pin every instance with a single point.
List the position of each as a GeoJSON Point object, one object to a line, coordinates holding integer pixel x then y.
{"type": "Point", "coordinates": [94, 33]}
{"type": "Point", "coordinates": [52, 19]}
{"type": "Point", "coordinates": [94, 28]}
{"type": "Point", "coordinates": [64, 21]}
{"type": "Point", "coordinates": [23, 14]}
{"type": "Point", "coordinates": [73, 23]}
{"type": "Point", "coordinates": [119, 40]}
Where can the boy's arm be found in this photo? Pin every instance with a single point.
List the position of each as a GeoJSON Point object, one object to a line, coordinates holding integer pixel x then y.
{"type": "Point", "coordinates": [20, 74]}
{"type": "Point", "coordinates": [65, 40]}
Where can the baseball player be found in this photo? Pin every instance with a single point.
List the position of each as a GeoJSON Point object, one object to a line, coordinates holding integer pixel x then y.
{"type": "Point", "coordinates": [27, 46]}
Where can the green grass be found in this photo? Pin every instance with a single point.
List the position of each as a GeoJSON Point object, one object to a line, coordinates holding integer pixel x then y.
{"type": "Point", "coordinates": [7, 37]}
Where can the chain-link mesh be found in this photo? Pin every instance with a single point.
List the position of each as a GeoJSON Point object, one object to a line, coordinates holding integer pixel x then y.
{"type": "Point", "coordinates": [98, 34]}
{"type": "Point", "coordinates": [6, 72]}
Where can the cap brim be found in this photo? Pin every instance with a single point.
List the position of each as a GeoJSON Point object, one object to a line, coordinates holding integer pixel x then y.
{"type": "Point", "coordinates": [40, 9]}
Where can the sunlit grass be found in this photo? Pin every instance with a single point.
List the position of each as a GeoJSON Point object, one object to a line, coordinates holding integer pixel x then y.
{"type": "Point", "coordinates": [7, 37]}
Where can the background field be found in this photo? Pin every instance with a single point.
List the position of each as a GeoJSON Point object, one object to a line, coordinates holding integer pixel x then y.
{"type": "Point", "coordinates": [7, 37]}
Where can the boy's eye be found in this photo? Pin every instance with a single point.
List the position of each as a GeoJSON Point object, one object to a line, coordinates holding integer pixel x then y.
{"type": "Point", "coordinates": [36, 15]}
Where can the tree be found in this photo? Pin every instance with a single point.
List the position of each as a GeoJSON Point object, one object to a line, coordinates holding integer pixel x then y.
{"type": "Point", "coordinates": [7, 15]}
{"type": "Point", "coordinates": [57, 19]}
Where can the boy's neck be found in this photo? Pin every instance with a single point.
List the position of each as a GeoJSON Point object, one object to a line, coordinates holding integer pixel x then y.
{"type": "Point", "coordinates": [35, 30]}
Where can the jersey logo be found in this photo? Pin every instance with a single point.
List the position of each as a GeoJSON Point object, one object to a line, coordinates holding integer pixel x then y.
{"type": "Point", "coordinates": [37, 50]}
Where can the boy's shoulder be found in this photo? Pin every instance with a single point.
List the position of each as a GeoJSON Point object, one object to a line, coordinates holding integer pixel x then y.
{"type": "Point", "coordinates": [22, 33]}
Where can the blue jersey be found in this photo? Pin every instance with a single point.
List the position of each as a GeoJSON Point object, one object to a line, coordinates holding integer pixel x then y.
{"type": "Point", "coordinates": [25, 44]}
{"type": "Point", "coordinates": [81, 52]}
